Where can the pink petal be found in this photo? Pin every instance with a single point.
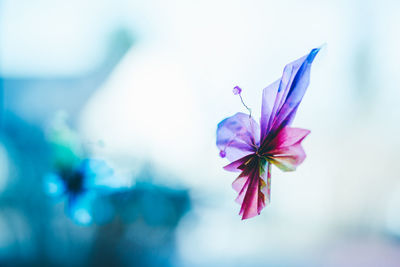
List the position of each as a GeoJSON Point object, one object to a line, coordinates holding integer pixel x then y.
{"type": "Point", "coordinates": [240, 186]}
{"type": "Point", "coordinates": [288, 158]}
{"type": "Point", "coordinates": [251, 189]}
{"type": "Point", "coordinates": [289, 136]}
{"type": "Point", "coordinates": [285, 150]}
{"type": "Point", "coordinates": [234, 166]}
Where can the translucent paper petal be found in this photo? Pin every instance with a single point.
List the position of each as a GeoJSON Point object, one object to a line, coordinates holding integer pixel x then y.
{"type": "Point", "coordinates": [267, 106]}
{"type": "Point", "coordinates": [286, 151]}
{"type": "Point", "coordinates": [297, 88]}
{"type": "Point", "coordinates": [288, 136]}
{"type": "Point", "coordinates": [251, 189]}
{"type": "Point", "coordinates": [287, 159]}
{"type": "Point", "coordinates": [281, 99]}
{"type": "Point", "coordinates": [266, 183]}
{"type": "Point", "coordinates": [238, 136]}
{"type": "Point", "coordinates": [234, 166]}
{"type": "Point", "coordinates": [240, 185]}
{"type": "Point", "coordinates": [250, 203]}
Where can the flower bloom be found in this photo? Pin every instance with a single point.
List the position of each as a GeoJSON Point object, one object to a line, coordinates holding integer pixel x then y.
{"type": "Point", "coordinates": [252, 148]}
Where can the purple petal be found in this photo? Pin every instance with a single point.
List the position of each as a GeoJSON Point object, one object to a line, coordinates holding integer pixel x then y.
{"type": "Point", "coordinates": [237, 136]}
{"type": "Point", "coordinates": [268, 102]}
{"type": "Point", "coordinates": [281, 99]}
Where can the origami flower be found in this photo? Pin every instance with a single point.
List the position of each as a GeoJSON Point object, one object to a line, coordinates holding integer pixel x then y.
{"type": "Point", "coordinates": [80, 186]}
{"type": "Point", "coordinates": [252, 148]}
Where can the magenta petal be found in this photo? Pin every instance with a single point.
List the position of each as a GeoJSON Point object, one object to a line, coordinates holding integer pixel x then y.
{"type": "Point", "coordinates": [251, 186]}
{"type": "Point", "coordinates": [249, 207]}
{"type": "Point", "coordinates": [238, 136]}
{"type": "Point", "coordinates": [286, 151]}
{"type": "Point", "coordinates": [234, 166]}
{"type": "Point", "coordinates": [288, 136]}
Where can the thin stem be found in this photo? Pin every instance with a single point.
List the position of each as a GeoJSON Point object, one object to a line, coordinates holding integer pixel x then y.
{"type": "Point", "coordinates": [241, 99]}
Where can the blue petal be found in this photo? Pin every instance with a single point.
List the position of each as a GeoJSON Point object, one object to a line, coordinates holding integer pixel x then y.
{"type": "Point", "coordinates": [290, 91]}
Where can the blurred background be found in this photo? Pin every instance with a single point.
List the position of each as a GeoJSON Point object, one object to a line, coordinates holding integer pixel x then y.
{"type": "Point", "coordinates": [108, 112]}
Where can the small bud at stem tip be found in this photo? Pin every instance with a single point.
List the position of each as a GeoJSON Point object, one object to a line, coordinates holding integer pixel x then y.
{"type": "Point", "coordinates": [237, 90]}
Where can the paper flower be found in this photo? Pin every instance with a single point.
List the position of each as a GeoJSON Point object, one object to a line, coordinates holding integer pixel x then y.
{"type": "Point", "coordinates": [252, 148]}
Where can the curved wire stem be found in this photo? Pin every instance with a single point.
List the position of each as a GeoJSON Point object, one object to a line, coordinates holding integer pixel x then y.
{"type": "Point", "coordinates": [241, 99]}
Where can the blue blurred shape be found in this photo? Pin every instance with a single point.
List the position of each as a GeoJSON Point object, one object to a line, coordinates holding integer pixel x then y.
{"type": "Point", "coordinates": [80, 186]}
{"type": "Point", "coordinates": [53, 185]}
